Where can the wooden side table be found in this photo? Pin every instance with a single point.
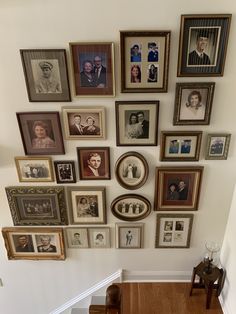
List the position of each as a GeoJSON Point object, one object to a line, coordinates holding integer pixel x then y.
{"type": "Point", "coordinates": [208, 281]}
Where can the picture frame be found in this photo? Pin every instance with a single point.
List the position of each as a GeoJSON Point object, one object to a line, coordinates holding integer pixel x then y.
{"type": "Point", "coordinates": [94, 163]}
{"type": "Point", "coordinates": [99, 238]}
{"type": "Point", "coordinates": [193, 103]}
{"type": "Point", "coordinates": [203, 44]}
{"type": "Point", "coordinates": [131, 170]}
{"type": "Point", "coordinates": [144, 61]}
{"type": "Point", "coordinates": [217, 146]}
{"type": "Point", "coordinates": [129, 236]}
{"type": "Point", "coordinates": [37, 205]}
{"type": "Point", "coordinates": [34, 243]}
{"type": "Point", "coordinates": [34, 169]}
{"type": "Point", "coordinates": [77, 238]}
{"type": "Point", "coordinates": [93, 68]}
{"type": "Point", "coordinates": [130, 207]}
{"type": "Point", "coordinates": [87, 205]}
{"type": "Point", "coordinates": [65, 171]}
{"type": "Point", "coordinates": [41, 132]}
{"type": "Point", "coordinates": [177, 188]}
{"type": "Point", "coordinates": [137, 123]}
{"type": "Point", "coordinates": [173, 230]}
{"type": "Point", "coordinates": [180, 145]}
{"type": "Point", "coordinates": [83, 123]}
{"type": "Point", "coordinates": [46, 75]}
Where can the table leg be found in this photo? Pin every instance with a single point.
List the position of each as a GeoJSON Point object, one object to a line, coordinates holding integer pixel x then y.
{"type": "Point", "coordinates": [192, 281]}
{"type": "Point", "coordinates": [209, 294]}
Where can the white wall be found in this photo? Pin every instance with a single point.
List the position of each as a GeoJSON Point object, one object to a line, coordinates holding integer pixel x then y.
{"type": "Point", "coordinates": [41, 286]}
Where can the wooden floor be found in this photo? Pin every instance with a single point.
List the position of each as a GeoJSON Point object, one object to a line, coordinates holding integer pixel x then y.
{"type": "Point", "coordinates": [165, 298]}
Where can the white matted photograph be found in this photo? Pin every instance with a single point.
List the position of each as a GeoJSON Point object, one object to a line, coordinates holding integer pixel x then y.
{"type": "Point", "coordinates": [77, 237]}
{"type": "Point", "coordinates": [129, 236]}
{"type": "Point", "coordinates": [99, 238]}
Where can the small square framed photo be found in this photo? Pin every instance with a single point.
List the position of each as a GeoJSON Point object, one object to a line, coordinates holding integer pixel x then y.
{"type": "Point", "coordinates": [203, 44]}
{"type": "Point", "coordinates": [144, 61]}
{"type": "Point", "coordinates": [93, 69]}
{"type": "Point", "coordinates": [87, 205]}
{"type": "Point", "coordinates": [94, 163]}
{"type": "Point", "coordinates": [177, 188]}
{"type": "Point", "coordinates": [193, 103]}
{"type": "Point", "coordinates": [46, 74]}
{"type": "Point", "coordinates": [77, 238]}
{"type": "Point", "coordinates": [137, 123]}
{"type": "Point", "coordinates": [65, 171]}
{"type": "Point", "coordinates": [217, 146]}
{"type": "Point", "coordinates": [173, 230]}
{"type": "Point", "coordinates": [41, 133]}
{"type": "Point", "coordinates": [99, 238]}
{"type": "Point", "coordinates": [84, 123]}
{"type": "Point", "coordinates": [180, 145]}
{"type": "Point", "coordinates": [129, 236]}
{"type": "Point", "coordinates": [32, 205]}
{"type": "Point", "coordinates": [34, 169]}
{"type": "Point", "coordinates": [34, 243]}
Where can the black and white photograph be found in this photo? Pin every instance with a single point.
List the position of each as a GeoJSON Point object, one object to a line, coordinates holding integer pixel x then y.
{"type": "Point", "coordinates": [77, 238]}
{"type": "Point", "coordinates": [65, 171]}
{"type": "Point", "coordinates": [129, 236]}
{"type": "Point", "coordinates": [23, 243]}
{"type": "Point", "coordinates": [218, 146]}
{"type": "Point", "coordinates": [153, 73]}
{"type": "Point", "coordinates": [99, 238]}
{"type": "Point", "coordinates": [46, 243]}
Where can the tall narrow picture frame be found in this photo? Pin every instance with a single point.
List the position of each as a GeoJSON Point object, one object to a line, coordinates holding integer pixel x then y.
{"type": "Point", "coordinates": [144, 61]}
{"type": "Point", "coordinates": [203, 44]}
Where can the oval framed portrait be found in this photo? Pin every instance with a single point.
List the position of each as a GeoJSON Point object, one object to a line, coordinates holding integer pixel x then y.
{"type": "Point", "coordinates": [131, 170]}
{"type": "Point", "coordinates": [131, 207]}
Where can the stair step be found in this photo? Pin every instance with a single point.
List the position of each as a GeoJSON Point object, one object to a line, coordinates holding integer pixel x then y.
{"type": "Point", "coordinates": [79, 311]}
{"type": "Point", "coordinates": [98, 300]}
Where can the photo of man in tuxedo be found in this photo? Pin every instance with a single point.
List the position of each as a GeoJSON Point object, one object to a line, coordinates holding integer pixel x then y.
{"type": "Point", "coordinates": [144, 123]}
{"type": "Point", "coordinates": [198, 56]}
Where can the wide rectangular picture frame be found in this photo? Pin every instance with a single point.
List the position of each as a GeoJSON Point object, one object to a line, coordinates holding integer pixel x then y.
{"type": "Point", "coordinates": [129, 236]}
{"type": "Point", "coordinates": [83, 57]}
{"type": "Point", "coordinates": [217, 146]}
{"type": "Point", "coordinates": [147, 52]}
{"type": "Point", "coordinates": [173, 230]}
{"type": "Point", "coordinates": [32, 205]}
{"type": "Point", "coordinates": [34, 246]}
{"type": "Point", "coordinates": [46, 75]}
{"type": "Point", "coordinates": [213, 31]}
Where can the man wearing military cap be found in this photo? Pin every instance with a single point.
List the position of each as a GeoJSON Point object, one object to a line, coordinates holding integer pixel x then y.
{"type": "Point", "coordinates": [198, 56]}
{"type": "Point", "coordinates": [47, 83]}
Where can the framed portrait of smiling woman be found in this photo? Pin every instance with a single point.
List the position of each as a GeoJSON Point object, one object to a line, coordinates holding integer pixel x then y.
{"type": "Point", "coordinates": [193, 103]}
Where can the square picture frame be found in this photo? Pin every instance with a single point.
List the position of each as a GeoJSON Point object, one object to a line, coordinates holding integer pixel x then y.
{"type": "Point", "coordinates": [93, 68]}
{"type": "Point", "coordinates": [87, 205]}
{"type": "Point", "coordinates": [32, 205]}
{"type": "Point", "coordinates": [203, 44]}
{"type": "Point", "coordinates": [177, 188]}
{"type": "Point", "coordinates": [217, 146]}
{"type": "Point", "coordinates": [34, 169]}
{"type": "Point", "coordinates": [34, 243]}
{"type": "Point", "coordinates": [144, 61]}
{"type": "Point", "coordinates": [129, 236]}
{"type": "Point", "coordinates": [180, 145]}
{"type": "Point", "coordinates": [193, 103]}
{"type": "Point", "coordinates": [173, 230]}
{"type": "Point", "coordinates": [94, 163]}
{"type": "Point", "coordinates": [99, 237]}
{"type": "Point", "coordinates": [41, 132]}
{"type": "Point", "coordinates": [46, 75]}
{"type": "Point", "coordinates": [77, 238]}
{"type": "Point", "coordinates": [83, 123]}
{"type": "Point", "coordinates": [144, 131]}
{"type": "Point", "coordinates": [65, 171]}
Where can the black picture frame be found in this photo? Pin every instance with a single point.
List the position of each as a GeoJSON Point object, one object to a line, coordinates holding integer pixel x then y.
{"type": "Point", "coordinates": [65, 171]}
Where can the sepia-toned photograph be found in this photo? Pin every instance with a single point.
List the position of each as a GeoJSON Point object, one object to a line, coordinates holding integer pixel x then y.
{"type": "Point", "coordinates": [65, 171]}
{"type": "Point", "coordinates": [77, 238]}
{"type": "Point", "coordinates": [99, 238]}
{"type": "Point", "coordinates": [129, 236]}
{"type": "Point", "coordinates": [217, 146]}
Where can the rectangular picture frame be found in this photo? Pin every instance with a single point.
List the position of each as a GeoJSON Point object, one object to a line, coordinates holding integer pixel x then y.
{"type": "Point", "coordinates": [144, 131]}
{"type": "Point", "coordinates": [99, 237]}
{"type": "Point", "coordinates": [83, 123]}
{"type": "Point", "coordinates": [41, 132]}
{"type": "Point", "coordinates": [193, 103]}
{"type": "Point", "coordinates": [34, 169]}
{"type": "Point", "coordinates": [203, 44]}
{"type": "Point", "coordinates": [65, 171]}
{"type": "Point", "coordinates": [46, 75]}
{"type": "Point", "coordinates": [173, 230]}
{"type": "Point", "coordinates": [129, 236]}
{"type": "Point", "coordinates": [77, 237]}
{"type": "Point", "coordinates": [177, 188]}
{"type": "Point", "coordinates": [180, 145]}
{"type": "Point", "coordinates": [87, 205]}
{"type": "Point", "coordinates": [37, 205]}
{"type": "Point", "coordinates": [93, 68]}
{"type": "Point", "coordinates": [144, 61]}
{"type": "Point", "coordinates": [34, 243]}
{"type": "Point", "coordinates": [217, 146]}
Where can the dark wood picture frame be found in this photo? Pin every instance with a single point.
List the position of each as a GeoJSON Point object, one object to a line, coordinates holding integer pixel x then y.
{"type": "Point", "coordinates": [151, 61]}
{"type": "Point", "coordinates": [217, 146]}
{"type": "Point", "coordinates": [46, 75]}
{"type": "Point", "coordinates": [65, 171]}
{"type": "Point", "coordinates": [203, 44]}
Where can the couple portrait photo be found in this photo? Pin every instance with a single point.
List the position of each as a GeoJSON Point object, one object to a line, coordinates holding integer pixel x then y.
{"type": "Point", "coordinates": [177, 190]}
{"type": "Point", "coordinates": [137, 124]}
{"type": "Point", "coordinates": [84, 124]}
{"type": "Point", "coordinates": [87, 206]}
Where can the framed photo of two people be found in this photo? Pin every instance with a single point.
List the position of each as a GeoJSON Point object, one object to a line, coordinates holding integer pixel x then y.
{"type": "Point", "coordinates": [203, 44]}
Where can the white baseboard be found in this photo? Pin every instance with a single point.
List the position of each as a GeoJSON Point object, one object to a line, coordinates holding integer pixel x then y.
{"type": "Point", "coordinates": [224, 307]}
{"type": "Point", "coordinates": [156, 276]}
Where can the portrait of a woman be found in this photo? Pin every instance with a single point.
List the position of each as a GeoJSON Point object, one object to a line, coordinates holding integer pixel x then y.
{"type": "Point", "coordinates": [193, 109]}
{"type": "Point", "coordinates": [87, 78]}
{"type": "Point", "coordinates": [133, 128]}
{"type": "Point", "coordinates": [91, 128]}
{"type": "Point", "coordinates": [152, 74]}
{"type": "Point", "coordinates": [135, 74]}
{"type": "Point", "coordinates": [41, 136]}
